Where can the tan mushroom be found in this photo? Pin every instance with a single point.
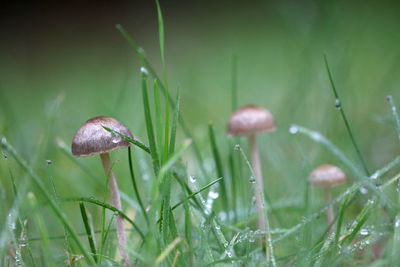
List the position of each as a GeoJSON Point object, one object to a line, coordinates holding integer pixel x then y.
{"type": "Point", "coordinates": [327, 176]}
{"type": "Point", "coordinates": [92, 139]}
{"type": "Point", "coordinates": [250, 121]}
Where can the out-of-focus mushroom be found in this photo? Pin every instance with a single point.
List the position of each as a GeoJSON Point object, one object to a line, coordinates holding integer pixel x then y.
{"type": "Point", "coordinates": [249, 121]}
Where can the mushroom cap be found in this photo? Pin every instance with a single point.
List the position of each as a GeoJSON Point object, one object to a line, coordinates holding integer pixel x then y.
{"type": "Point", "coordinates": [327, 175]}
{"type": "Point", "coordinates": [250, 120]}
{"type": "Point", "coordinates": [93, 139]}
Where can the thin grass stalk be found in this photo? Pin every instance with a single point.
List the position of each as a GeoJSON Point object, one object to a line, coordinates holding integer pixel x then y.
{"type": "Point", "coordinates": [338, 105]}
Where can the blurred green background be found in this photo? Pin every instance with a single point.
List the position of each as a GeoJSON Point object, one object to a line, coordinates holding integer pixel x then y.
{"type": "Point", "coordinates": [66, 62]}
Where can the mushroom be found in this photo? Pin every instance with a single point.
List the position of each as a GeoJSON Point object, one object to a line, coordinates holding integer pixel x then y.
{"type": "Point", "coordinates": [327, 176]}
{"type": "Point", "coordinates": [249, 121]}
{"type": "Point", "coordinates": [92, 139]}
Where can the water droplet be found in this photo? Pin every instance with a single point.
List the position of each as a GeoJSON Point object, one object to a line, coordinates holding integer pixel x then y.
{"type": "Point", "coordinates": [5, 155]}
{"type": "Point", "coordinates": [213, 194]}
{"type": "Point", "coordinates": [223, 216]}
{"type": "Point", "coordinates": [252, 180]}
{"type": "Point", "coordinates": [293, 129]}
{"type": "Point", "coordinates": [237, 147]}
{"type": "Point", "coordinates": [364, 232]}
{"type": "Point", "coordinates": [316, 136]}
{"type": "Point", "coordinates": [23, 242]}
{"type": "Point", "coordinates": [116, 139]}
{"type": "Point", "coordinates": [192, 178]}
{"type": "Point", "coordinates": [218, 227]}
{"type": "Point", "coordinates": [49, 162]}
{"type": "Point", "coordinates": [363, 190]}
{"type": "Point", "coordinates": [338, 104]}
{"type": "Point", "coordinates": [374, 175]}
{"type": "Point", "coordinates": [228, 253]}
{"type": "Point", "coordinates": [397, 223]}
{"type": "Point", "coordinates": [11, 223]}
{"type": "Point", "coordinates": [143, 70]}
{"type": "Point", "coordinates": [3, 140]}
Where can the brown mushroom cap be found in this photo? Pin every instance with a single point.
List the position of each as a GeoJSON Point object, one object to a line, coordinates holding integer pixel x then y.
{"type": "Point", "coordinates": [250, 120]}
{"type": "Point", "coordinates": [92, 138]}
{"type": "Point", "coordinates": [327, 176]}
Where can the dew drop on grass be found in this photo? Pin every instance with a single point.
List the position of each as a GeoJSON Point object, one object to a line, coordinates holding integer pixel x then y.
{"type": "Point", "coordinates": [192, 179]}
{"type": "Point", "coordinates": [222, 216]}
{"type": "Point", "coordinates": [363, 190]}
{"type": "Point", "coordinates": [116, 139]}
{"type": "Point", "coordinates": [338, 104]}
{"type": "Point", "coordinates": [374, 176]}
{"type": "Point", "coordinates": [213, 194]}
{"type": "Point", "coordinates": [144, 70]}
{"type": "Point", "coordinates": [364, 232]}
{"type": "Point", "coordinates": [48, 162]}
{"type": "Point", "coordinates": [397, 223]}
{"type": "Point", "coordinates": [11, 223]}
{"type": "Point", "coordinates": [293, 129]}
{"type": "Point", "coordinates": [228, 253]}
{"type": "Point", "coordinates": [252, 180]}
{"type": "Point", "coordinates": [237, 147]}
{"type": "Point", "coordinates": [218, 227]}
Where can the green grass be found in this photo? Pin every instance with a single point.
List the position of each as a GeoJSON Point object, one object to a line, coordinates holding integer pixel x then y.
{"type": "Point", "coordinates": [187, 186]}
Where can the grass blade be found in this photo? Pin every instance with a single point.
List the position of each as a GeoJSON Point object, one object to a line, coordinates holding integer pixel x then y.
{"type": "Point", "coordinates": [153, 73]}
{"type": "Point", "coordinates": [149, 123]}
{"type": "Point", "coordinates": [175, 120]}
{"type": "Point", "coordinates": [158, 116]}
{"type": "Point", "coordinates": [88, 229]}
{"type": "Point", "coordinates": [218, 164]}
{"type": "Point", "coordinates": [339, 106]}
{"type": "Point", "coordinates": [134, 141]}
{"type": "Point", "coordinates": [192, 195]}
{"type": "Point", "coordinates": [234, 96]}
{"type": "Point", "coordinates": [395, 114]}
{"type": "Point", "coordinates": [168, 250]}
{"type": "Point", "coordinates": [135, 188]}
{"type": "Point", "coordinates": [109, 207]}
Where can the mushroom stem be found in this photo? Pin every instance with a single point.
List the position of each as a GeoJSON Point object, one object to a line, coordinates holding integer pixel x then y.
{"type": "Point", "coordinates": [259, 184]}
{"type": "Point", "coordinates": [116, 202]}
{"type": "Point", "coordinates": [329, 211]}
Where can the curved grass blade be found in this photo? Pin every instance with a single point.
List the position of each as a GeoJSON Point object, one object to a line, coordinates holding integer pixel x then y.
{"type": "Point", "coordinates": [319, 138]}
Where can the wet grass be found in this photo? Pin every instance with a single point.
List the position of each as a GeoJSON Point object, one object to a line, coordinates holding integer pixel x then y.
{"type": "Point", "coordinates": [187, 187]}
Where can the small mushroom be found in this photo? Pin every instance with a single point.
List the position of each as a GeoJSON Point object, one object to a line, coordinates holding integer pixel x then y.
{"type": "Point", "coordinates": [249, 121]}
{"type": "Point", "coordinates": [327, 176]}
{"type": "Point", "coordinates": [92, 139]}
